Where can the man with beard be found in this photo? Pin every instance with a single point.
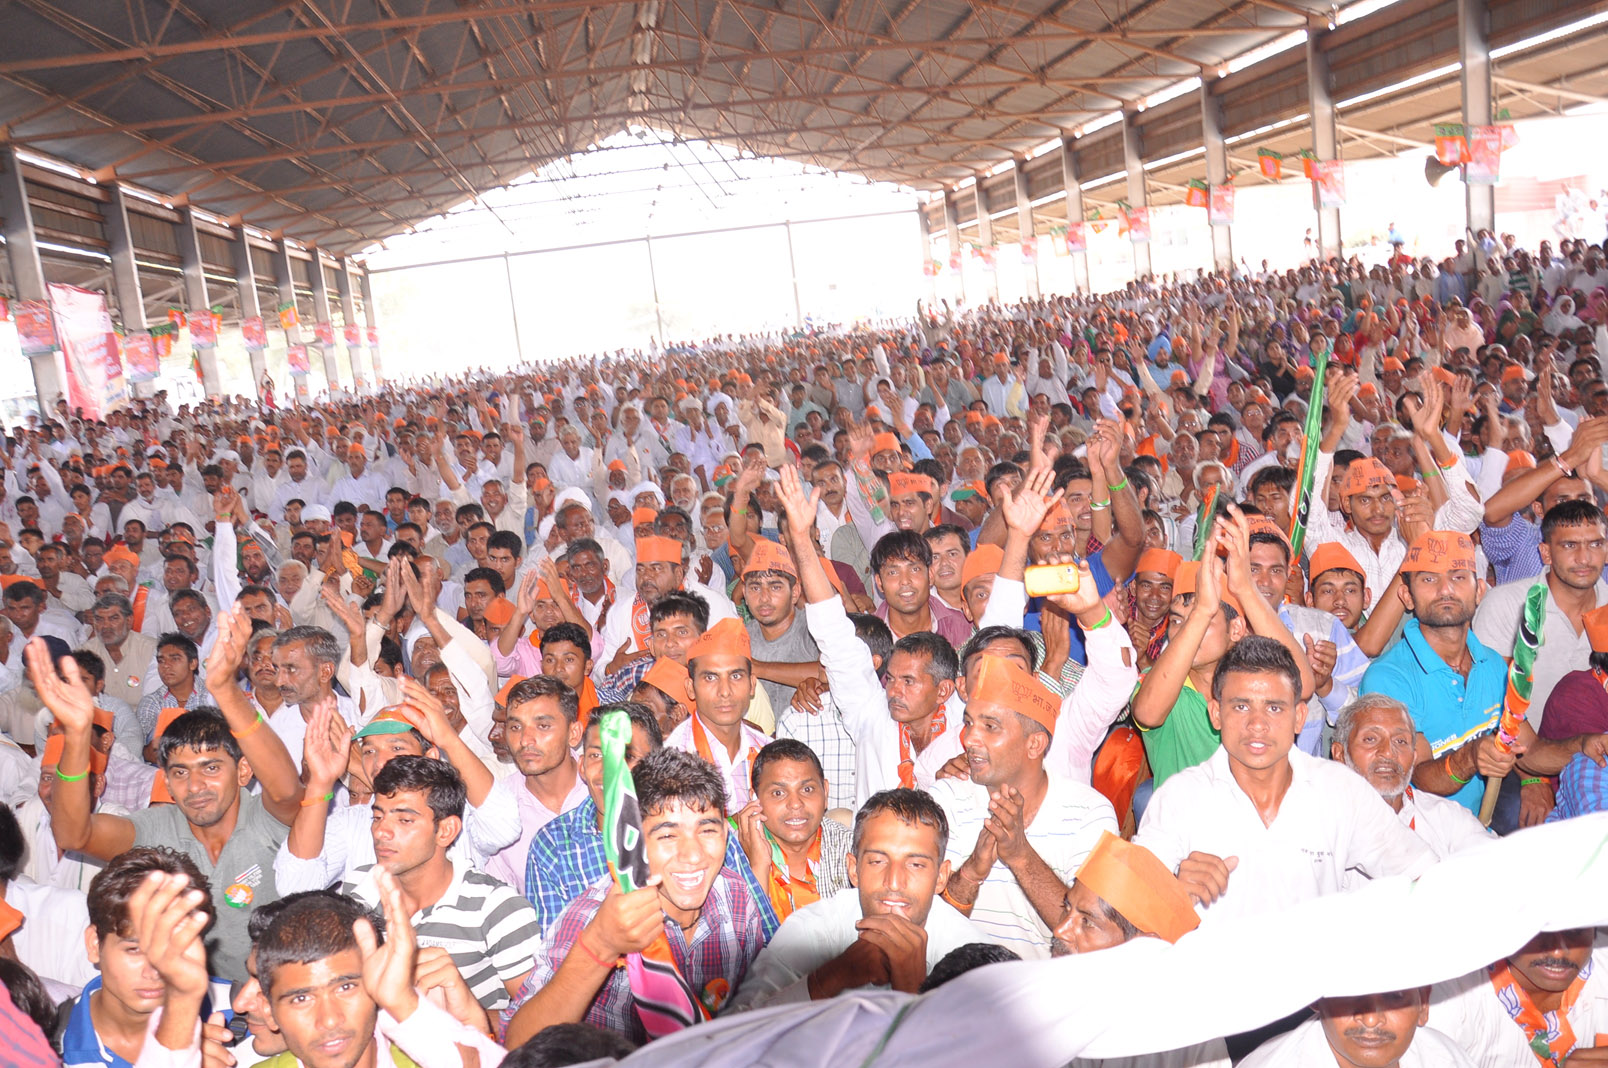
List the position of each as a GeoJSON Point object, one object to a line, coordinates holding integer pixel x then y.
{"type": "Point", "coordinates": [661, 568]}
{"type": "Point", "coordinates": [207, 759]}
{"type": "Point", "coordinates": [1439, 655]}
{"type": "Point", "coordinates": [888, 928]}
{"type": "Point", "coordinates": [541, 730]}
{"type": "Point", "coordinates": [130, 658]}
{"type": "Point", "coordinates": [305, 661]}
{"type": "Point", "coordinates": [702, 907]}
{"type": "Point", "coordinates": [1546, 1004]}
{"type": "Point", "coordinates": [1366, 1031]}
{"type": "Point", "coordinates": [1374, 737]}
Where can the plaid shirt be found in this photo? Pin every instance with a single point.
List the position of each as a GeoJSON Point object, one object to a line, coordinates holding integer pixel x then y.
{"type": "Point", "coordinates": [825, 734]}
{"type": "Point", "coordinates": [713, 958]}
{"type": "Point", "coordinates": [566, 857]}
{"type": "Point", "coordinates": [618, 686]}
{"type": "Point", "coordinates": [1582, 790]}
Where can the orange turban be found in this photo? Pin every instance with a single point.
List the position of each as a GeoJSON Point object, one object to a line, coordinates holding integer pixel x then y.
{"type": "Point", "coordinates": [1132, 881]}
{"type": "Point", "coordinates": [1440, 551]}
{"type": "Point", "coordinates": [983, 560]}
{"type": "Point", "coordinates": [657, 549]}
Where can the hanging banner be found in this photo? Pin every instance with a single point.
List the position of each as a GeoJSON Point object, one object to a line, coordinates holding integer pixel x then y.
{"type": "Point", "coordinates": [176, 317]}
{"type": "Point", "coordinates": [36, 329]}
{"type": "Point", "coordinates": [1058, 241]}
{"type": "Point", "coordinates": [325, 332]}
{"type": "Point", "coordinates": [89, 343]}
{"type": "Point", "coordinates": [1029, 252]}
{"type": "Point", "coordinates": [5, 310]}
{"type": "Point", "coordinates": [373, 336]}
{"type": "Point", "coordinates": [1221, 210]}
{"type": "Point", "coordinates": [162, 338]}
{"type": "Point", "coordinates": [1485, 156]}
{"type": "Point", "coordinates": [288, 319]}
{"type": "Point", "coordinates": [1331, 184]}
{"type": "Point", "coordinates": [1270, 163]}
{"type": "Point", "coordinates": [1077, 238]}
{"type": "Point", "coordinates": [1451, 144]}
{"type": "Point", "coordinates": [297, 357]}
{"type": "Point", "coordinates": [354, 336]}
{"type": "Point", "coordinates": [203, 330]}
{"type": "Point", "coordinates": [954, 260]}
{"type": "Point", "coordinates": [139, 356]}
{"type": "Point", "coordinates": [987, 254]}
{"type": "Point", "coordinates": [1139, 225]}
{"type": "Point", "coordinates": [1196, 195]}
{"type": "Point", "coordinates": [930, 268]}
{"type": "Point", "coordinates": [254, 332]}
{"type": "Point", "coordinates": [1096, 223]}
{"type": "Point", "coordinates": [1309, 163]}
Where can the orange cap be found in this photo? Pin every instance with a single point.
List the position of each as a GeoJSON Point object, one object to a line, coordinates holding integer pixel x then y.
{"type": "Point", "coordinates": [1440, 551]}
{"type": "Point", "coordinates": [1008, 682]}
{"type": "Point", "coordinates": [885, 442]}
{"type": "Point", "coordinates": [165, 718]}
{"type": "Point", "coordinates": [1162, 561]}
{"type": "Point", "coordinates": [121, 553]}
{"type": "Point", "coordinates": [1187, 577]}
{"type": "Point", "coordinates": [768, 556]}
{"type": "Point", "coordinates": [668, 676]}
{"type": "Point", "coordinates": [616, 465]}
{"type": "Point", "coordinates": [1132, 881]}
{"type": "Point", "coordinates": [640, 516]}
{"type": "Point", "coordinates": [499, 611]}
{"type": "Point", "coordinates": [726, 636]}
{"type": "Point", "coordinates": [1407, 483]}
{"type": "Point", "coordinates": [1519, 460]}
{"type": "Point", "coordinates": [1596, 622]}
{"type": "Point", "coordinates": [1331, 555]}
{"type": "Point", "coordinates": [513, 680]}
{"type": "Point", "coordinates": [1393, 364]}
{"type": "Point", "coordinates": [1366, 474]}
{"type": "Point", "coordinates": [1000, 357]}
{"type": "Point", "coordinates": [1513, 373]}
{"type": "Point", "coordinates": [983, 560]}
{"type": "Point", "coordinates": [904, 483]}
{"type": "Point", "coordinates": [658, 549]}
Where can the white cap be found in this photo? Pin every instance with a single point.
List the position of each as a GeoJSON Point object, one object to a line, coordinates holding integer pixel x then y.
{"type": "Point", "coordinates": [317, 511]}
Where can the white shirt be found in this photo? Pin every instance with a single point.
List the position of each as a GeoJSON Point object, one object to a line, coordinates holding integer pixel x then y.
{"type": "Point", "coordinates": [288, 722]}
{"type": "Point", "coordinates": [1065, 827]}
{"type": "Point", "coordinates": [1467, 1010]}
{"type": "Point", "coordinates": [736, 771]}
{"type": "Point", "coordinates": [866, 718]}
{"type": "Point", "coordinates": [51, 938]}
{"type": "Point", "coordinates": [821, 932]}
{"type": "Point", "coordinates": [617, 625]}
{"type": "Point", "coordinates": [1308, 1047]}
{"type": "Point", "coordinates": [1209, 1054]}
{"type": "Point", "coordinates": [1329, 821]}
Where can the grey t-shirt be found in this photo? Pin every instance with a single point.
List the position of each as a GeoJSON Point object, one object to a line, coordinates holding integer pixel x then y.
{"type": "Point", "coordinates": [242, 879]}
{"type": "Point", "coordinates": [795, 646]}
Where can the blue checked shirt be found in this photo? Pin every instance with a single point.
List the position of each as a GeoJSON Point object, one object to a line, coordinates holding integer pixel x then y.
{"type": "Point", "coordinates": [618, 686]}
{"type": "Point", "coordinates": [566, 857]}
{"type": "Point", "coordinates": [1582, 789]}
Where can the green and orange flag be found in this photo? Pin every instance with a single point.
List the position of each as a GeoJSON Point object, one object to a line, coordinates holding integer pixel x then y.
{"type": "Point", "coordinates": [1313, 435]}
{"type": "Point", "coordinates": [664, 1000]}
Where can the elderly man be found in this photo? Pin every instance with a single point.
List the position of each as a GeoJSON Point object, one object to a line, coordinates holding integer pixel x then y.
{"type": "Point", "coordinates": [1374, 736]}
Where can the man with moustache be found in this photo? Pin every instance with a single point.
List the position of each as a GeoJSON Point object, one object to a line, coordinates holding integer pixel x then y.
{"type": "Point", "coordinates": [1367, 1031]}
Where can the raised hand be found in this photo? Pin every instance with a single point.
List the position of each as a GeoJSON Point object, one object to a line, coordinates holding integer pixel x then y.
{"type": "Point", "coordinates": [350, 615]}
{"type": "Point", "coordinates": [68, 699]}
{"type": "Point", "coordinates": [229, 647]}
{"type": "Point", "coordinates": [388, 969]}
{"type": "Point", "coordinates": [801, 507]}
{"type": "Point", "coordinates": [165, 912]}
{"type": "Point", "coordinates": [1025, 507]}
{"type": "Point", "coordinates": [327, 747]}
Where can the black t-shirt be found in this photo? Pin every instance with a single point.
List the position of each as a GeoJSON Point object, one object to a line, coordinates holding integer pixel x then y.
{"type": "Point", "coordinates": [1283, 381]}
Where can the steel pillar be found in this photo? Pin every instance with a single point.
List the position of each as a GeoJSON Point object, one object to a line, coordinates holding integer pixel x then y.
{"type": "Point", "coordinates": [1211, 125]}
{"type": "Point", "coordinates": [1074, 210]}
{"type": "Point", "coordinates": [250, 303]}
{"type": "Point", "coordinates": [28, 276]}
{"type": "Point", "coordinates": [1474, 50]}
{"type": "Point", "coordinates": [195, 296]}
{"type": "Point", "coordinates": [1133, 162]}
{"type": "Point", "coordinates": [1325, 137]}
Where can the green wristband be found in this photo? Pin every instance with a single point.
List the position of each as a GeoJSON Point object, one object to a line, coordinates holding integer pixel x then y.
{"type": "Point", "coordinates": [72, 778]}
{"type": "Point", "coordinates": [1107, 618]}
{"type": "Point", "coordinates": [1531, 782]}
{"type": "Point", "coordinates": [1120, 486]}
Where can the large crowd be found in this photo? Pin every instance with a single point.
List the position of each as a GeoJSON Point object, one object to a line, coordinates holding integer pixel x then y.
{"type": "Point", "coordinates": [1019, 632]}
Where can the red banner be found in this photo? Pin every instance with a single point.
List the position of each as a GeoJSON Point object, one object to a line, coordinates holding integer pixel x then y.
{"type": "Point", "coordinates": [1221, 210]}
{"type": "Point", "coordinates": [954, 261]}
{"type": "Point", "coordinates": [1077, 238]}
{"type": "Point", "coordinates": [373, 336]}
{"type": "Point", "coordinates": [1271, 164]}
{"type": "Point", "coordinates": [354, 335]}
{"type": "Point", "coordinates": [325, 332]}
{"type": "Point", "coordinates": [36, 328]}
{"type": "Point", "coordinates": [1485, 155]}
{"type": "Point", "coordinates": [1030, 252]}
{"type": "Point", "coordinates": [203, 330]}
{"type": "Point", "coordinates": [94, 369]}
{"type": "Point", "coordinates": [1196, 195]}
{"type": "Point", "coordinates": [297, 357]}
{"type": "Point", "coordinates": [139, 354]}
{"type": "Point", "coordinates": [288, 319]}
{"type": "Point", "coordinates": [1139, 225]}
{"type": "Point", "coordinates": [254, 332]}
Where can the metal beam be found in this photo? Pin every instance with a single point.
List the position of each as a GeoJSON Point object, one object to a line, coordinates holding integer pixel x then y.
{"type": "Point", "coordinates": [985, 235]}
{"type": "Point", "coordinates": [1074, 209]}
{"type": "Point", "coordinates": [1549, 90]}
{"type": "Point", "coordinates": [1133, 163]}
{"type": "Point", "coordinates": [1211, 126]}
{"type": "Point", "coordinates": [1024, 225]}
{"type": "Point", "coordinates": [1325, 138]}
{"type": "Point", "coordinates": [354, 353]}
{"type": "Point", "coordinates": [28, 275]}
{"type": "Point", "coordinates": [321, 314]}
{"type": "Point", "coordinates": [125, 275]}
{"type": "Point", "coordinates": [1474, 53]}
{"type": "Point", "coordinates": [250, 304]}
{"type": "Point", "coordinates": [195, 295]}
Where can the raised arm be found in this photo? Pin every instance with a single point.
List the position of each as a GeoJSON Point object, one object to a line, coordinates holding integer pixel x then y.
{"type": "Point", "coordinates": [1260, 617]}
{"type": "Point", "coordinates": [276, 771]}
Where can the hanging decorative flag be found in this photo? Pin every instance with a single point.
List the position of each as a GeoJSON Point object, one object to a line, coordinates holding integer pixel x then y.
{"type": "Point", "coordinates": [140, 356]}
{"type": "Point", "coordinates": [1077, 238]}
{"type": "Point", "coordinates": [1221, 210]}
{"type": "Point", "coordinates": [1058, 241]}
{"type": "Point", "coordinates": [1196, 195]}
{"type": "Point", "coordinates": [1096, 223]}
{"type": "Point", "coordinates": [976, 251]}
{"type": "Point", "coordinates": [954, 260]}
{"type": "Point", "coordinates": [1331, 184]}
{"type": "Point", "coordinates": [254, 333]}
{"type": "Point", "coordinates": [664, 1001]}
{"type": "Point", "coordinates": [1451, 144]}
{"type": "Point", "coordinates": [5, 310]}
{"type": "Point", "coordinates": [1139, 225]}
{"type": "Point", "coordinates": [176, 317]}
{"type": "Point", "coordinates": [1307, 468]}
{"type": "Point", "coordinates": [288, 319]}
{"type": "Point", "coordinates": [325, 332]}
{"type": "Point", "coordinates": [36, 327]}
{"type": "Point", "coordinates": [373, 336]}
{"type": "Point", "coordinates": [1510, 133]}
{"type": "Point", "coordinates": [195, 366]}
{"type": "Point", "coordinates": [1309, 163]}
{"type": "Point", "coordinates": [987, 253]}
{"type": "Point", "coordinates": [1029, 251]}
{"type": "Point", "coordinates": [930, 268]}
{"type": "Point", "coordinates": [354, 335]}
{"type": "Point", "coordinates": [1485, 156]}
{"type": "Point", "coordinates": [203, 330]}
{"type": "Point", "coordinates": [162, 338]}
{"type": "Point", "coordinates": [296, 356]}
{"type": "Point", "coordinates": [1270, 163]}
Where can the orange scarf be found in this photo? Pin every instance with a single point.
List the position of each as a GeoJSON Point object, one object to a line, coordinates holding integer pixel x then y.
{"type": "Point", "coordinates": [588, 702]}
{"type": "Point", "coordinates": [907, 761]}
{"type": "Point", "coordinates": [700, 741]}
{"type": "Point", "coordinates": [641, 623]}
{"type": "Point", "coordinates": [141, 595]}
{"type": "Point", "coordinates": [1538, 1027]}
{"type": "Point", "coordinates": [788, 892]}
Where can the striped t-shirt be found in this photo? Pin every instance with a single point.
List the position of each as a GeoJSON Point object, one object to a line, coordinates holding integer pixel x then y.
{"type": "Point", "coordinates": [1064, 829]}
{"type": "Point", "coordinates": [489, 930]}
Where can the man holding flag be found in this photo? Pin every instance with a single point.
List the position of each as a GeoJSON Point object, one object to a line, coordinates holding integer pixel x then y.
{"type": "Point", "coordinates": [669, 893]}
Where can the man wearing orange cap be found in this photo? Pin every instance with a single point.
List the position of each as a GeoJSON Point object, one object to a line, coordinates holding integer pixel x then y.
{"type": "Point", "coordinates": [1338, 585]}
{"type": "Point", "coordinates": [1017, 833]}
{"type": "Point", "coordinates": [1454, 684]}
{"type": "Point", "coordinates": [1150, 606]}
{"type": "Point", "coordinates": [661, 568]}
{"type": "Point", "coordinates": [720, 685]}
{"type": "Point", "coordinates": [360, 486]}
{"type": "Point", "coordinates": [1121, 892]}
{"type": "Point", "coordinates": [1510, 536]}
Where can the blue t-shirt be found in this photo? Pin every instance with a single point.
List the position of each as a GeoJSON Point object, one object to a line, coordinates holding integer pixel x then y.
{"type": "Point", "coordinates": [1447, 709]}
{"type": "Point", "coordinates": [1102, 582]}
